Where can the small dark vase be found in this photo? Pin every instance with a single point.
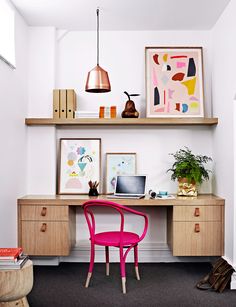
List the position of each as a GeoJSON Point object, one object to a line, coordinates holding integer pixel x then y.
{"type": "Point", "coordinates": [93, 192]}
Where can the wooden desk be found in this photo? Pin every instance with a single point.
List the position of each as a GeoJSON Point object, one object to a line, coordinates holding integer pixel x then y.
{"type": "Point", "coordinates": [195, 225]}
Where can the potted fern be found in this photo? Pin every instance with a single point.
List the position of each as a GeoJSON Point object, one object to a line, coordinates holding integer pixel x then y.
{"type": "Point", "coordinates": [189, 170]}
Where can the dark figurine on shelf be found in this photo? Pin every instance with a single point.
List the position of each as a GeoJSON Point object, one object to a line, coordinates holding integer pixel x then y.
{"type": "Point", "coordinates": [93, 188]}
{"type": "Point", "coordinates": [130, 111]}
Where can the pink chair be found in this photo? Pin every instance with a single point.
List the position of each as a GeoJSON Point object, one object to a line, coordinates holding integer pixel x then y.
{"type": "Point", "coordinates": [121, 239]}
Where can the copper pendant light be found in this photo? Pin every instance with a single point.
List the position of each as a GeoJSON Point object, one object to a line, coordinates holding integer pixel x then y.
{"type": "Point", "coordinates": [97, 80]}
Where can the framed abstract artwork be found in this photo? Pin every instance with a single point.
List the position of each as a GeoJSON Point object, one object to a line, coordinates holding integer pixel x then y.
{"type": "Point", "coordinates": [79, 162]}
{"type": "Point", "coordinates": [118, 164]}
{"type": "Point", "coordinates": [174, 82]}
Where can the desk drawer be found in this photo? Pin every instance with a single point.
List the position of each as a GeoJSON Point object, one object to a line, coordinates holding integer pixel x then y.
{"type": "Point", "coordinates": [46, 238]}
{"type": "Point", "coordinates": [197, 239]}
{"type": "Point", "coordinates": [44, 213]}
{"type": "Point", "coordinates": [197, 213]}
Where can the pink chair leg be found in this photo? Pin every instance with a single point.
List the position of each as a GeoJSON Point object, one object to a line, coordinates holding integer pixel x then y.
{"type": "Point", "coordinates": [92, 255]}
{"type": "Point", "coordinates": [136, 261]}
{"type": "Point", "coordinates": [122, 271]}
{"type": "Point", "coordinates": [107, 260]}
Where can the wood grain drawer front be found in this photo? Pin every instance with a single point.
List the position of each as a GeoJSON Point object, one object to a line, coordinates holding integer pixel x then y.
{"type": "Point", "coordinates": [44, 213]}
{"type": "Point", "coordinates": [46, 238]}
{"type": "Point", "coordinates": [197, 239]}
{"type": "Point", "coordinates": [197, 213]}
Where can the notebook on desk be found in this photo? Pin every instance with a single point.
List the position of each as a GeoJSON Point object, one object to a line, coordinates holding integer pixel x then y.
{"type": "Point", "coordinates": [130, 186]}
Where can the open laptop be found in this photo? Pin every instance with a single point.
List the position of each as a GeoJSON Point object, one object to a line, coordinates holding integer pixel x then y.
{"type": "Point", "coordinates": [130, 186]}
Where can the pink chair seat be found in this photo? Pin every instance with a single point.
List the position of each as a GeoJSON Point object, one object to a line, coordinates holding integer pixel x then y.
{"type": "Point", "coordinates": [112, 238]}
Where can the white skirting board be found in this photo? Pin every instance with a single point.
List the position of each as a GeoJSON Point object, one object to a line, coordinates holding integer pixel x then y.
{"type": "Point", "coordinates": [148, 252]}
{"type": "Point", "coordinates": [233, 277]}
{"type": "Point", "coordinates": [45, 260]}
{"type": "Point", "coordinates": [233, 282]}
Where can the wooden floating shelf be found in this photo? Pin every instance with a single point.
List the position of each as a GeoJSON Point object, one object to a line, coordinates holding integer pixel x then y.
{"type": "Point", "coordinates": [122, 121]}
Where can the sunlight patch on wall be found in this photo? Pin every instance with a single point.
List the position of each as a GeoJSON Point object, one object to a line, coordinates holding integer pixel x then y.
{"type": "Point", "coordinates": [7, 33]}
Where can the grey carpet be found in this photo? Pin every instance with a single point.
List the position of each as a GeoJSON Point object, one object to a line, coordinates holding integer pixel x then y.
{"type": "Point", "coordinates": [161, 284]}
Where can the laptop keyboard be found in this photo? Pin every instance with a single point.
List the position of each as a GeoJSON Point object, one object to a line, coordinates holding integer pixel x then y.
{"type": "Point", "coordinates": [129, 195]}
{"type": "Point", "coordinates": [134, 196]}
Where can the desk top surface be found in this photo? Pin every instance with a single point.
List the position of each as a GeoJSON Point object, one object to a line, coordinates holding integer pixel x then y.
{"type": "Point", "coordinates": [78, 200]}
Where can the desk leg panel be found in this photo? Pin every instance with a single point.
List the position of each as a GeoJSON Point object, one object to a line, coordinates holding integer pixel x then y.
{"type": "Point", "coordinates": [170, 227]}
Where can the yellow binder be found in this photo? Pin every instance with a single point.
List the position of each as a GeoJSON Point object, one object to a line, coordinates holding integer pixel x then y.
{"type": "Point", "coordinates": [56, 104]}
{"type": "Point", "coordinates": [63, 104]}
{"type": "Point", "coordinates": [71, 103]}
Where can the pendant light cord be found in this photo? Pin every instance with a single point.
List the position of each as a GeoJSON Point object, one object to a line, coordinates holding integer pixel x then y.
{"type": "Point", "coordinates": [97, 36]}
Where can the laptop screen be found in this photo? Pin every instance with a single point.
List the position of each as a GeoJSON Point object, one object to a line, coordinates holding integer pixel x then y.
{"type": "Point", "coordinates": [131, 184]}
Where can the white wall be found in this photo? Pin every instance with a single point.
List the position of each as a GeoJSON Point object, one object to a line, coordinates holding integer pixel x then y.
{"type": "Point", "coordinates": [41, 143]}
{"type": "Point", "coordinates": [122, 55]}
{"type": "Point", "coordinates": [13, 93]}
{"type": "Point", "coordinates": [223, 94]}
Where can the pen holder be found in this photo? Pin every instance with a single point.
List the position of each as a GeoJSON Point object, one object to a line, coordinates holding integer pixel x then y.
{"type": "Point", "coordinates": [93, 192]}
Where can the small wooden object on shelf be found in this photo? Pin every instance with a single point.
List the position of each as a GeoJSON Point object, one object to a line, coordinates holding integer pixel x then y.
{"type": "Point", "coordinates": [101, 111]}
{"type": "Point", "coordinates": [130, 110]}
{"type": "Point", "coordinates": [107, 112]}
{"type": "Point", "coordinates": [113, 111]}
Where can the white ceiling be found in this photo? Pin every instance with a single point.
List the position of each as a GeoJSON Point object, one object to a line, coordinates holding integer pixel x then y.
{"type": "Point", "coordinates": [122, 14]}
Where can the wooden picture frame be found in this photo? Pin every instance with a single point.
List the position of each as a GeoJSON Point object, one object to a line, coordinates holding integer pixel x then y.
{"type": "Point", "coordinates": [174, 82]}
{"type": "Point", "coordinates": [79, 162]}
{"type": "Point", "coordinates": [119, 163]}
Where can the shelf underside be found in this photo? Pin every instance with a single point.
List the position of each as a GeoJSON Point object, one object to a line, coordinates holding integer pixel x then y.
{"type": "Point", "coordinates": [122, 121]}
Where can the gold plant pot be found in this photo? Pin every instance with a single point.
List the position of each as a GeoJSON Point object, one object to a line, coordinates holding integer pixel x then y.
{"type": "Point", "coordinates": [187, 188]}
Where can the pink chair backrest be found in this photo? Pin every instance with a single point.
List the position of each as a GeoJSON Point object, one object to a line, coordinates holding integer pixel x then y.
{"type": "Point", "coordinates": [89, 215]}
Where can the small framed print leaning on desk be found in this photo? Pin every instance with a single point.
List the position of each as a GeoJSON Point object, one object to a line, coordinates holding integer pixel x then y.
{"type": "Point", "coordinates": [118, 164]}
{"type": "Point", "coordinates": [195, 225]}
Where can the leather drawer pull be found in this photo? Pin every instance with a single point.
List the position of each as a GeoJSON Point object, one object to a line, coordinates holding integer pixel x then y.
{"type": "Point", "coordinates": [43, 227]}
{"type": "Point", "coordinates": [44, 211]}
{"type": "Point", "coordinates": [197, 228]}
{"type": "Point", "coordinates": [197, 212]}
